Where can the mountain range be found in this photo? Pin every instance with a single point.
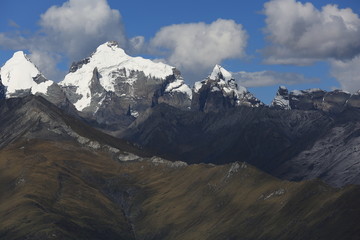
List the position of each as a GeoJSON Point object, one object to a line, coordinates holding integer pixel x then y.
{"type": "Point", "coordinates": [123, 148]}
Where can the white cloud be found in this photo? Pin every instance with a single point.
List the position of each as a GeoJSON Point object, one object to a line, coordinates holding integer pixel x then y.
{"type": "Point", "coordinates": [79, 26]}
{"type": "Point", "coordinates": [13, 41]}
{"type": "Point", "coordinates": [196, 47]}
{"type": "Point", "coordinates": [71, 31]}
{"type": "Point", "coordinates": [301, 34]}
{"type": "Point", "coordinates": [269, 78]}
{"type": "Point", "coordinates": [48, 63]}
{"type": "Point", "coordinates": [347, 73]}
{"type": "Point", "coordinates": [137, 44]}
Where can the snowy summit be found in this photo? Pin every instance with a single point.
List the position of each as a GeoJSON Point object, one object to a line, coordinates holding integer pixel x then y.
{"type": "Point", "coordinates": [221, 80]}
{"type": "Point", "coordinates": [20, 75]}
{"type": "Point", "coordinates": [114, 67]}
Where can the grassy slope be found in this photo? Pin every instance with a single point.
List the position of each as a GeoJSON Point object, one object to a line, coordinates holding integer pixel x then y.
{"type": "Point", "coordinates": [45, 194]}
{"type": "Point", "coordinates": [60, 190]}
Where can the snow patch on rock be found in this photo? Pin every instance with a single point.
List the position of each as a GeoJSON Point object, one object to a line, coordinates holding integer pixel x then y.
{"type": "Point", "coordinates": [276, 193]}
{"type": "Point", "coordinates": [125, 157]}
{"type": "Point", "coordinates": [160, 161]}
{"type": "Point", "coordinates": [179, 86]}
{"type": "Point", "coordinates": [234, 168]}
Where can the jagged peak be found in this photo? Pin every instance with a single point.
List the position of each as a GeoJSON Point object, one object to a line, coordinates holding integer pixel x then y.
{"type": "Point", "coordinates": [110, 55]}
{"type": "Point", "coordinates": [220, 73]}
{"type": "Point", "coordinates": [114, 67]}
{"type": "Point", "coordinates": [20, 54]}
{"type": "Point", "coordinates": [282, 87]}
{"type": "Point", "coordinates": [221, 80]}
{"type": "Point", "coordinates": [282, 91]}
{"type": "Point", "coordinates": [20, 57]}
{"type": "Point", "coordinates": [281, 99]}
{"type": "Point", "coordinates": [111, 46]}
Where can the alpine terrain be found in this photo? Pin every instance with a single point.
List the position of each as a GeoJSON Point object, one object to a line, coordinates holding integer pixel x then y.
{"type": "Point", "coordinates": [123, 148]}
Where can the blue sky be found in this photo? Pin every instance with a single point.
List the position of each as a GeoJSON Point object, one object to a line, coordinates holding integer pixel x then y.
{"type": "Point", "coordinates": [299, 44]}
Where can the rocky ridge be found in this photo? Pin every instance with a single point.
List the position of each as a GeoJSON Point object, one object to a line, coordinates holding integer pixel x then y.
{"type": "Point", "coordinates": [315, 99]}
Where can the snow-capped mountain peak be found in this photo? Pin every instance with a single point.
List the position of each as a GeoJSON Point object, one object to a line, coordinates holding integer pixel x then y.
{"type": "Point", "coordinates": [222, 80]}
{"type": "Point", "coordinates": [224, 88]}
{"type": "Point", "coordinates": [133, 81]}
{"type": "Point", "coordinates": [19, 74]}
{"type": "Point", "coordinates": [110, 56]}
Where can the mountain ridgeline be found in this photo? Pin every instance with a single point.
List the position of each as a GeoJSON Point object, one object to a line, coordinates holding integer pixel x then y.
{"type": "Point", "coordinates": [122, 148]}
{"type": "Point", "coordinates": [303, 134]}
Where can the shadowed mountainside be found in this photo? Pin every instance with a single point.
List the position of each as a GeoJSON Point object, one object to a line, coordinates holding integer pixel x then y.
{"type": "Point", "coordinates": [33, 117]}
{"type": "Point", "coordinates": [291, 144]}
{"type": "Point", "coordinates": [61, 179]}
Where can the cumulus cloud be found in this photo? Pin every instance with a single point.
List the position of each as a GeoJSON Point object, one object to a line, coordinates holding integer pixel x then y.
{"type": "Point", "coordinates": [72, 30]}
{"type": "Point", "coordinates": [47, 63]}
{"type": "Point", "coordinates": [269, 78]}
{"type": "Point", "coordinates": [79, 26]}
{"type": "Point", "coordinates": [301, 34]}
{"type": "Point", "coordinates": [347, 73]}
{"type": "Point", "coordinates": [196, 47]}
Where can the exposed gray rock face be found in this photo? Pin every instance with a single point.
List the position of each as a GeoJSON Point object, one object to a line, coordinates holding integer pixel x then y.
{"type": "Point", "coordinates": [97, 92]}
{"type": "Point", "coordinates": [30, 117]}
{"type": "Point", "coordinates": [220, 91]}
{"type": "Point", "coordinates": [40, 79]}
{"type": "Point", "coordinates": [112, 115]}
{"type": "Point", "coordinates": [335, 101]}
{"type": "Point", "coordinates": [57, 96]}
{"type": "Point", "coordinates": [174, 92]}
{"type": "Point", "coordinates": [2, 90]}
{"type": "Point", "coordinates": [334, 156]}
{"type": "Point", "coordinates": [315, 99]}
{"type": "Point", "coordinates": [77, 65]}
{"type": "Point", "coordinates": [306, 99]}
{"type": "Point", "coordinates": [33, 117]}
{"type": "Point", "coordinates": [354, 101]}
{"type": "Point", "coordinates": [19, 93]}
